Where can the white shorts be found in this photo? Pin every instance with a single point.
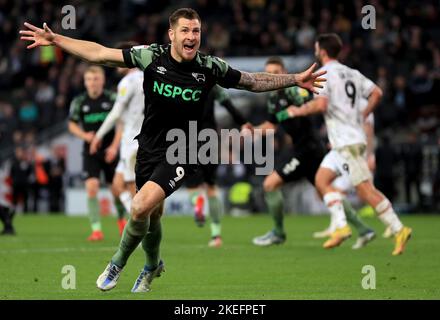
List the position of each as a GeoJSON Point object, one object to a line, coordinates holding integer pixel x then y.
{"type": "Point", "coordinates": [355, 163]}
{"type": "Point", "coordinates": [127, 160]}
{"type": "Point", "coordinates": [335, 163]}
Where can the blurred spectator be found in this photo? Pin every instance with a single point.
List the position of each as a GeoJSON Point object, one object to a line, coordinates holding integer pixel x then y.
{"type": "Point", "coordinates": [400, 98]}
{"type": "Point", "coordinates": [412, 157]}
{"type": "Point", "coordinates": [28, 115]}
{"type": "Point", "coordinates": [8, 124]}
{"type": "Point", "coordinates": [385, 162]}
{"type": "Point", "coordinates": [218, 39]}
{"type": "Point", "coordinates": [39, 178]}
{"type": "Point", "coordinates": [20, 174]}
{"type": "Point", "coordinates": [421, 85]}
{"type": "Point", "coordinates": [57, 169]}
{"type": "Point", "coordinates": [44, 97]}
{"type": "Point", "coordinates": [305, 36]}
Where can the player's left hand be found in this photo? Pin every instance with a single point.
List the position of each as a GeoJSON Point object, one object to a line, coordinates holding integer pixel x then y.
{"type": "Point", "coordinates": [309, 80]}
{"type": "Point", "coordinates": [110, 154]}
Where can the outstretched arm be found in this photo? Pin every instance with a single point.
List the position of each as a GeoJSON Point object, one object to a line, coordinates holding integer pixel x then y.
{"type": "Point", "coordinates": [261, 81]}
{"type": "Point", "coordinates": [87, 50]}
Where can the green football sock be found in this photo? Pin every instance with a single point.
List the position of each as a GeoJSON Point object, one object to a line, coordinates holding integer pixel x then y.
{"type": "Point", "coordinates": [133, 234]}
{"type": "Point", "coordinates": [216, 229]}
{"type": "Point", "coordinates": [215, 214]}
{"type": "Point", "coordinates": [151, 243]}
{"type": "Point", "coordinates": [120, 210]}
{"type": "Point", "coordinates": [354, 220]}
{"type": "Point", "coordinates": [95, 219]}
{"type": "Point", "coordinates": [274, 201]}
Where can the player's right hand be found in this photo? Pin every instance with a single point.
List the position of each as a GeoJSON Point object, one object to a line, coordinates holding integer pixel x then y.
{"type": "Point", "coordinates": [88, 136]}
{"type": "Point", "coordinates": [94, 145]}
{"type": "Point", "coordinates": [40, 37]}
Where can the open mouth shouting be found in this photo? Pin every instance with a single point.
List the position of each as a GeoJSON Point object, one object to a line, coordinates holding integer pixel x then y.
{"type": "Point", "coordinates": [189, 48]}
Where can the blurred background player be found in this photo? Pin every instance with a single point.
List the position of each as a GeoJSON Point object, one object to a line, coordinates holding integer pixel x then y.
{"type": "Point", "coordinates": [340, 102]}
{"type": "Point", "coordinates": [87, 112]}
{"type": "Point", "coordinates": [342, 184]}
{"type": "Point", "coordinates": [129, 111]}
{"type": "Point", "coordinates": [206, 174]}
{"type": "Point", "coordinates": [302, 162]}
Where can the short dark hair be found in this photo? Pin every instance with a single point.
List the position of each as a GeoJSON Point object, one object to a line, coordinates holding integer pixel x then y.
{"type": "Point", "coordinates": [275, 60]}
{"type": "Point", "coordinates": [186, 13]}
{"type": "Point", "coordinates": [126, 44]}
{"type": "Point", "coordinates": [331, 43]}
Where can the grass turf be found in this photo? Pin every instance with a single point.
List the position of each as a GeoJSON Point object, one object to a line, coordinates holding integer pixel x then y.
{"type": "Point", "coordinates": [31, 263]}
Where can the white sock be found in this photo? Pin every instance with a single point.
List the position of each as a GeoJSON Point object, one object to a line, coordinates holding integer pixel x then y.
{"type": "Point", "coordinates": [332, 226]}
{"type": "Point", "coordinates": [333, 201]}
{"type": "Point", "coordinates": [387, 215]}
{"type": "Point", "coordinates": [126, 198]}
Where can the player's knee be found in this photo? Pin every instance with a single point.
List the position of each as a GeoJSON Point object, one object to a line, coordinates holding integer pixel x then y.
{"type": "Point", "coordinates": [140, 208]}
{"type": "Point", "coordinates": [92, 187]}
{"type": "Point", "coordinates": [269, 185]}
{"type": "Point", "coordinates": [211, 191]}
{"type": "Point", "coordinates": [117, 189]}
{"type": "Point", "coordinates": [92, 192]}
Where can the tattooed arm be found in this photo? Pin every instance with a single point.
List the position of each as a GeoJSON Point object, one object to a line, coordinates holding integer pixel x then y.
{"type": "Point", "coordinates": [261, 81]}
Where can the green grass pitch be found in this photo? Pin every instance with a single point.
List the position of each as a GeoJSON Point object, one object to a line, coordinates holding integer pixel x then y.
{"type": "Point", "coordinates": [31, 263]}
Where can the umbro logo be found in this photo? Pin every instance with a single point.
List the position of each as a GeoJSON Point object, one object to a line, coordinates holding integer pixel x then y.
{"type": "Point", "coordinates": [172, 184]}
{"type": "Point", "coordinates": [106, 105]}
{"type": "Point", "coordinates": [85, 108]}
{"type": "Point", "coordinates": [200, 77]}
{"type": "Point", "coordinates": [161, 70]}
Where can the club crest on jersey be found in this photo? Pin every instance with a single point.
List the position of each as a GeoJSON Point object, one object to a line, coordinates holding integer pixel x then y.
{"type": "Point", "coordinates": [85, 108]}
{"type": "Point", "coordinates": [105, 105]}
{"type": "Point", "coordinates": [161, 70]}
{"type": "Point", "coordinates": [200, 77]}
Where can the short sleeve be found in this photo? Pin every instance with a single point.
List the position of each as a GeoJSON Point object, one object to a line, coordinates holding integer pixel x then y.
{"type": "Point", "coordinates": [366, 84]}
{"type": "Point", "coordinates": [226, 76]}
{"type": "Point", "coordinates": [138, 57]}
{"type": "Point", "coordinates": [75, 110]}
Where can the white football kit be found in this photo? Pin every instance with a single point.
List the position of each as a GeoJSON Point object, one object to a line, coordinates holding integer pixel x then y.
{"type": "Point", "coordinates": [129, 107]}
{"type": "Point", "coordinates": [347, 91]}
{"type": "Point", "coordinates": [337, 164]}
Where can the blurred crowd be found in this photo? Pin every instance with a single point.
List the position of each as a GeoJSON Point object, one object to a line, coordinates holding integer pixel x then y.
{"type": "Point", "coordinates": [402, 55]}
